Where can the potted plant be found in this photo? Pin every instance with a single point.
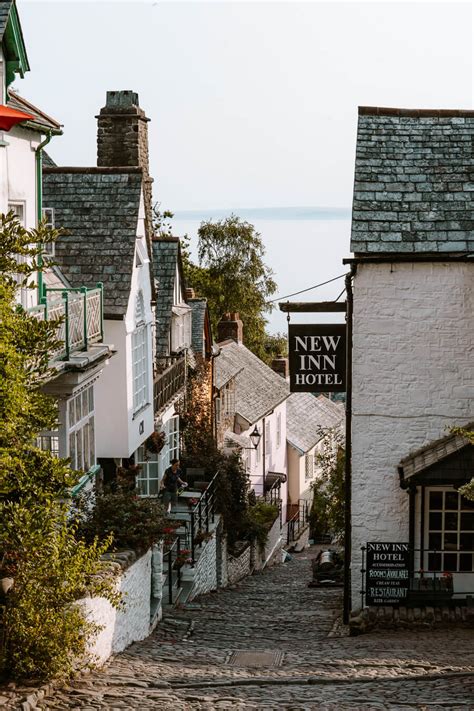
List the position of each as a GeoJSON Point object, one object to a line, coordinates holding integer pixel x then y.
{"type": "Point", "coordinates": [155, 442]}
{"type": "Point", "coordinates": [184, 558]}
{"type": "Point", "coordinates": [201, 537]}
{"type": "Point", "coordinates": [192, 503]}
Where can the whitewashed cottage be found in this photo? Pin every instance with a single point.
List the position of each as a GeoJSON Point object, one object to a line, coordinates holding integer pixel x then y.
{"type": "Point", "coordinates": [413, 345]}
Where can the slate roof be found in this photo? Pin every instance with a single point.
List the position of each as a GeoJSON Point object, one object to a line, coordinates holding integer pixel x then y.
{"type": "Point", "coordinates": [433, 453]}
{"type": "Point", "coordinates": [41, 121]}
{"type": "Point", "coordinates": [99, 209]}
{"type": "Point", "coordinates": [5, 6]}
{"type": "Point", "coordinates": [258, 389]}
{"type": "Point", "coordinates": [306, 415]}
{"type": "Point", "coordinates": [48, 162]}
{"type": "Point", "coordinates": [165, 259]}
{"type": "Point", "coordinates": [414, 182]}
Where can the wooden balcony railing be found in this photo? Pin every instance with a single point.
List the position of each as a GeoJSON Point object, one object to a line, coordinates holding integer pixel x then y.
{"type": "Point", "coordinates": [168, 383]}
{"type": "Point", "coordinates": [81, 314]}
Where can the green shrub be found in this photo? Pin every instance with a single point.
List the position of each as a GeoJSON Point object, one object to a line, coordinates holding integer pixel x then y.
{"type": "Point", "coordinates": [258, 521]}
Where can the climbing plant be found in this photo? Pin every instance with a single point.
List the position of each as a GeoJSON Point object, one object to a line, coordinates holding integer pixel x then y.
{"type": "Point", "coordinates": [327, 510]}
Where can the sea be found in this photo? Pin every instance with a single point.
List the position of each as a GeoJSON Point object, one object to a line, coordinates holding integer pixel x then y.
{"type": "Point", "coordinates": [304, 246]}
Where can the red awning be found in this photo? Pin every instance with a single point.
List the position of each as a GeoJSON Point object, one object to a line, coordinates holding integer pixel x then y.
{"type": "Point", "coordinates": [10, 117]}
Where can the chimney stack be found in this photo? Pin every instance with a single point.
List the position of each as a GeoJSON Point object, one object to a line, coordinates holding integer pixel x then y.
{"type": "Point", "coordinates": [230, 327]}
{"type": "Point", "coordinates": [280, 366]}
{"type": "Point", "coordinates": [122, 140]}
{"type": "Point", "coordinates": [190, 293]}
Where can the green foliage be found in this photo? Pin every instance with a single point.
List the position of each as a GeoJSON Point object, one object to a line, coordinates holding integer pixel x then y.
{"type": "Point", "coordinates": [233, 276]}
{"type": "Point", "coordinates": [131, 521]}
{"type": "Point", "coordinates": [162, 222]}
{"type": "Point", "coordinates": [327, 511]}
{"type": "Point", "coordinates": [275, 345]}
{"type": "Point", "coordinates": [38, 547]}
{"type": "Point", "coordinates": [258, 520]}
{"type": "Point", "coordinates": [468, 489]}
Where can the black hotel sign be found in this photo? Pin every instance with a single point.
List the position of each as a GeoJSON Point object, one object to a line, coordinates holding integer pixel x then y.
{"type": "Point", "coordinates": [317, 354]}
{"type": "Point", "coordinates": [387, 573]}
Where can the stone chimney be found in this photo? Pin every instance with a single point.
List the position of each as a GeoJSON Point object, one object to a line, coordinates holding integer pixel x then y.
{"type": "Point", "coordinates": [122, 140]}
{"type": "Point", "coordinates": [230, 327]}
{"type": "Point", "coordinates": [280, 366]}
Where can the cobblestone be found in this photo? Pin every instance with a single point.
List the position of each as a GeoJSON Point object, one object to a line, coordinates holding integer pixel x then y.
{"type": "Point", "coordinates": [185, 663]}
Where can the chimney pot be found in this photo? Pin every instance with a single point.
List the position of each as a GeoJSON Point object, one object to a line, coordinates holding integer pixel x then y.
{"type": "Point", "coordinates": [230, 327]}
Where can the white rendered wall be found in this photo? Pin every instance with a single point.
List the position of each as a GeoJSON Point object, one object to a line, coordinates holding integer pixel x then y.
{"type": "Point", "coordinates": [413, 378]}
{"type": "Point", "coordinates": [122, 627]}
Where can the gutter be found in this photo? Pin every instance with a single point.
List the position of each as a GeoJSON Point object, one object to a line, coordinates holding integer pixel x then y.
{"type": "Point", "coordinates": [39, 206]}
{"type": "Point", "coordinates": [348, 454]}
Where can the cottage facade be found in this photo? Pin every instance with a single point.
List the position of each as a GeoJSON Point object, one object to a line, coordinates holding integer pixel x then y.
{"type": "Point", "coordinates": [413, 342]}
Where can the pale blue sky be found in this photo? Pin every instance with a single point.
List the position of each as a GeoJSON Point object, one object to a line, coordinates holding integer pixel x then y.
{"type": "Point", "coordinates": [251, 104]}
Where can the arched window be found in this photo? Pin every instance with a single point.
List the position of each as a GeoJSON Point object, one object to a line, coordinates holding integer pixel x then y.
{"type": "Point", "coordinates": [140, 356]}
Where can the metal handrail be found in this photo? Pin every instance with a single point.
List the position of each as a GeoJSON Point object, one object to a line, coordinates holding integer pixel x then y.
{"type": "Point", "coordinates": [171, 554]}
{"type": "Point", "coordinates": [298, 521]}
{"type": "Point", "coordinates": [203, 513]}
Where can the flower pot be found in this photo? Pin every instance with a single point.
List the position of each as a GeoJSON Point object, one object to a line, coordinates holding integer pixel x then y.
{"type": "Point", "coordinates": [6, 584]}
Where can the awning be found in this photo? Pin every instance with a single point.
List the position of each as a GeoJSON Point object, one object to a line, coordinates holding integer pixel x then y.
{"type": "Point", "coordinates": [446, 460]}
{"type": "Point", "coordinates": [10, 117]}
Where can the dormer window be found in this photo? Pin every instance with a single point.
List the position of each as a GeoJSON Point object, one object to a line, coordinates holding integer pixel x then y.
{"type": "Point", "coordinates": [180, 328]}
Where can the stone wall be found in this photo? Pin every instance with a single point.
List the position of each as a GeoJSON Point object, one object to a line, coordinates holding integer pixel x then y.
{"type": "Point", "coordinates": [205, 570]}
{"type": "Point", "coordinates": [122, 627]}
{"type": "Point", "coordinates": [238, 566]}
{"type": "Point", "coordinates": [271, 553]}
{"type": "Point", "coordinates": [413, 377]}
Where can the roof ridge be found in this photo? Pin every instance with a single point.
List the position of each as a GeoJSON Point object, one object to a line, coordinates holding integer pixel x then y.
{"type": "Point", "coordinates": [92, 169]}
{"type": "Point", "coordinates": [414, 113]}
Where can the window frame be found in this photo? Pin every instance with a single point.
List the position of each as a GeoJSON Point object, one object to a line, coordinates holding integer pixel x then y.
{"type": "Point", "coordinates": [81, 429]}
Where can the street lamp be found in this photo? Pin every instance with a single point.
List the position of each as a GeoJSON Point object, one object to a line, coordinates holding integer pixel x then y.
{"type": "Point", "coordinates": [255, 437]}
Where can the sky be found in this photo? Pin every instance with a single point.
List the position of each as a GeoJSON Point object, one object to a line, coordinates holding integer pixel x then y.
{"type": "Point", "coordinates": [252, 104]}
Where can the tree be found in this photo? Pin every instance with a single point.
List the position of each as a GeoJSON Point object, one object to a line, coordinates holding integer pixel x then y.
{"type": "Point", "coordinates": [327, 511]}
{"type": "Point", "coordinates": [45, 632]}
{"type": "Point", "coordinates": [233, 276]}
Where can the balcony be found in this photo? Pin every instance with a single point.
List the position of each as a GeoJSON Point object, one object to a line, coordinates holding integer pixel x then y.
{"type": "Point", "coordinates": [81, 314]}
{"type": "Point", "coordinates": [168, 383]}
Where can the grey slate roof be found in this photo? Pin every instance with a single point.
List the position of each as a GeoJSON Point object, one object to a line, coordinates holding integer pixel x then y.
{"type": "Point", "coordinates": [414, 182]}
{"type": "Point", "coordinates": [5, 6]}
{"type": "Point", "coordinates": [306, 414]}
{"type": "Point", "coordinates": [433, 453]}
{"type": "Point", "coordinates": [99, 209]}
{"type": "Point", "coordinates": [165, 259]}
{"type": "Point", "coordinates": [40, 120]}
{"type": "Point", "coordinates": [258, 389]}
{"type": "Point", "coordinates": [48, 162]}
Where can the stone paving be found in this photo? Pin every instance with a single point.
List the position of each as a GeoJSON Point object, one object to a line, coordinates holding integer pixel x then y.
{"type": "Point", "coordinates": [186, 663]}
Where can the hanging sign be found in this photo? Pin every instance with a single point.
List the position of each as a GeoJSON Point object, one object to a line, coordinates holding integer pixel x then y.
{"type": "Point", "coordinates": [317, 358]}
{"type": "Point", "coordinates": [387, 573]}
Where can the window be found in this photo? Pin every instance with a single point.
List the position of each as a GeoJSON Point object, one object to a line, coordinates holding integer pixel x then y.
{"type": "Point", "coordinates": [180, 328]}
{"type": "Point", "coordinates": [218, 409]}
{"type": "Point", "coordinates": [49, 442]}
{"type": "Point", "coordinates": [81, 429]}
{"type": "Point", "coordinates": [48, 216]}
{"type": "Point", "coordinates": [450, 530]}
{"type": "Point", "coordinates": [268, 440]}
{"type": "Point", "coordinates": [153, 466]}
{"type": "Point", "coordinates": [308, 466]}
{"type": "Point", "coordinates": [148, 477]}
{"type": "Point", "coordinates": [278, 429]}
{"type": "Point", "coordinates": [140, 357]}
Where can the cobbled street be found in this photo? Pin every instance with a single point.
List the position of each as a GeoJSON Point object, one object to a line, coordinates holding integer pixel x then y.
{"type": "Point", "coordinates": [188, 662]}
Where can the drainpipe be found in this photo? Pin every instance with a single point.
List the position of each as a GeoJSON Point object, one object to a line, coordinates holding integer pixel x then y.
{"type": "Point", "coordinates": [39, 205]}
{"type": "Point", "coordinates": [348, 457]}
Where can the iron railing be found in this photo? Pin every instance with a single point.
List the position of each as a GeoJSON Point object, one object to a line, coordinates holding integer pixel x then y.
{"type": "Point", "coordinates": [80, 312]}
{"type": "Point", "coordinates": [298, 521]}
{"type": "Point", "coordinates": [202, 515]}
{"type": "Point", "coordinates": [168, 383]}
{"type": "Point", "coordinates": [273, 494]}
{"type": "Point", "coordinates": [173, 575]}
{"type": "Point", "coordinates": [434, 576]}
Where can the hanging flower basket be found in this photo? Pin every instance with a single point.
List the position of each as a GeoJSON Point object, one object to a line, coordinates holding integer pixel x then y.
{"type": "Point", "coordinates": [155, 442]}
